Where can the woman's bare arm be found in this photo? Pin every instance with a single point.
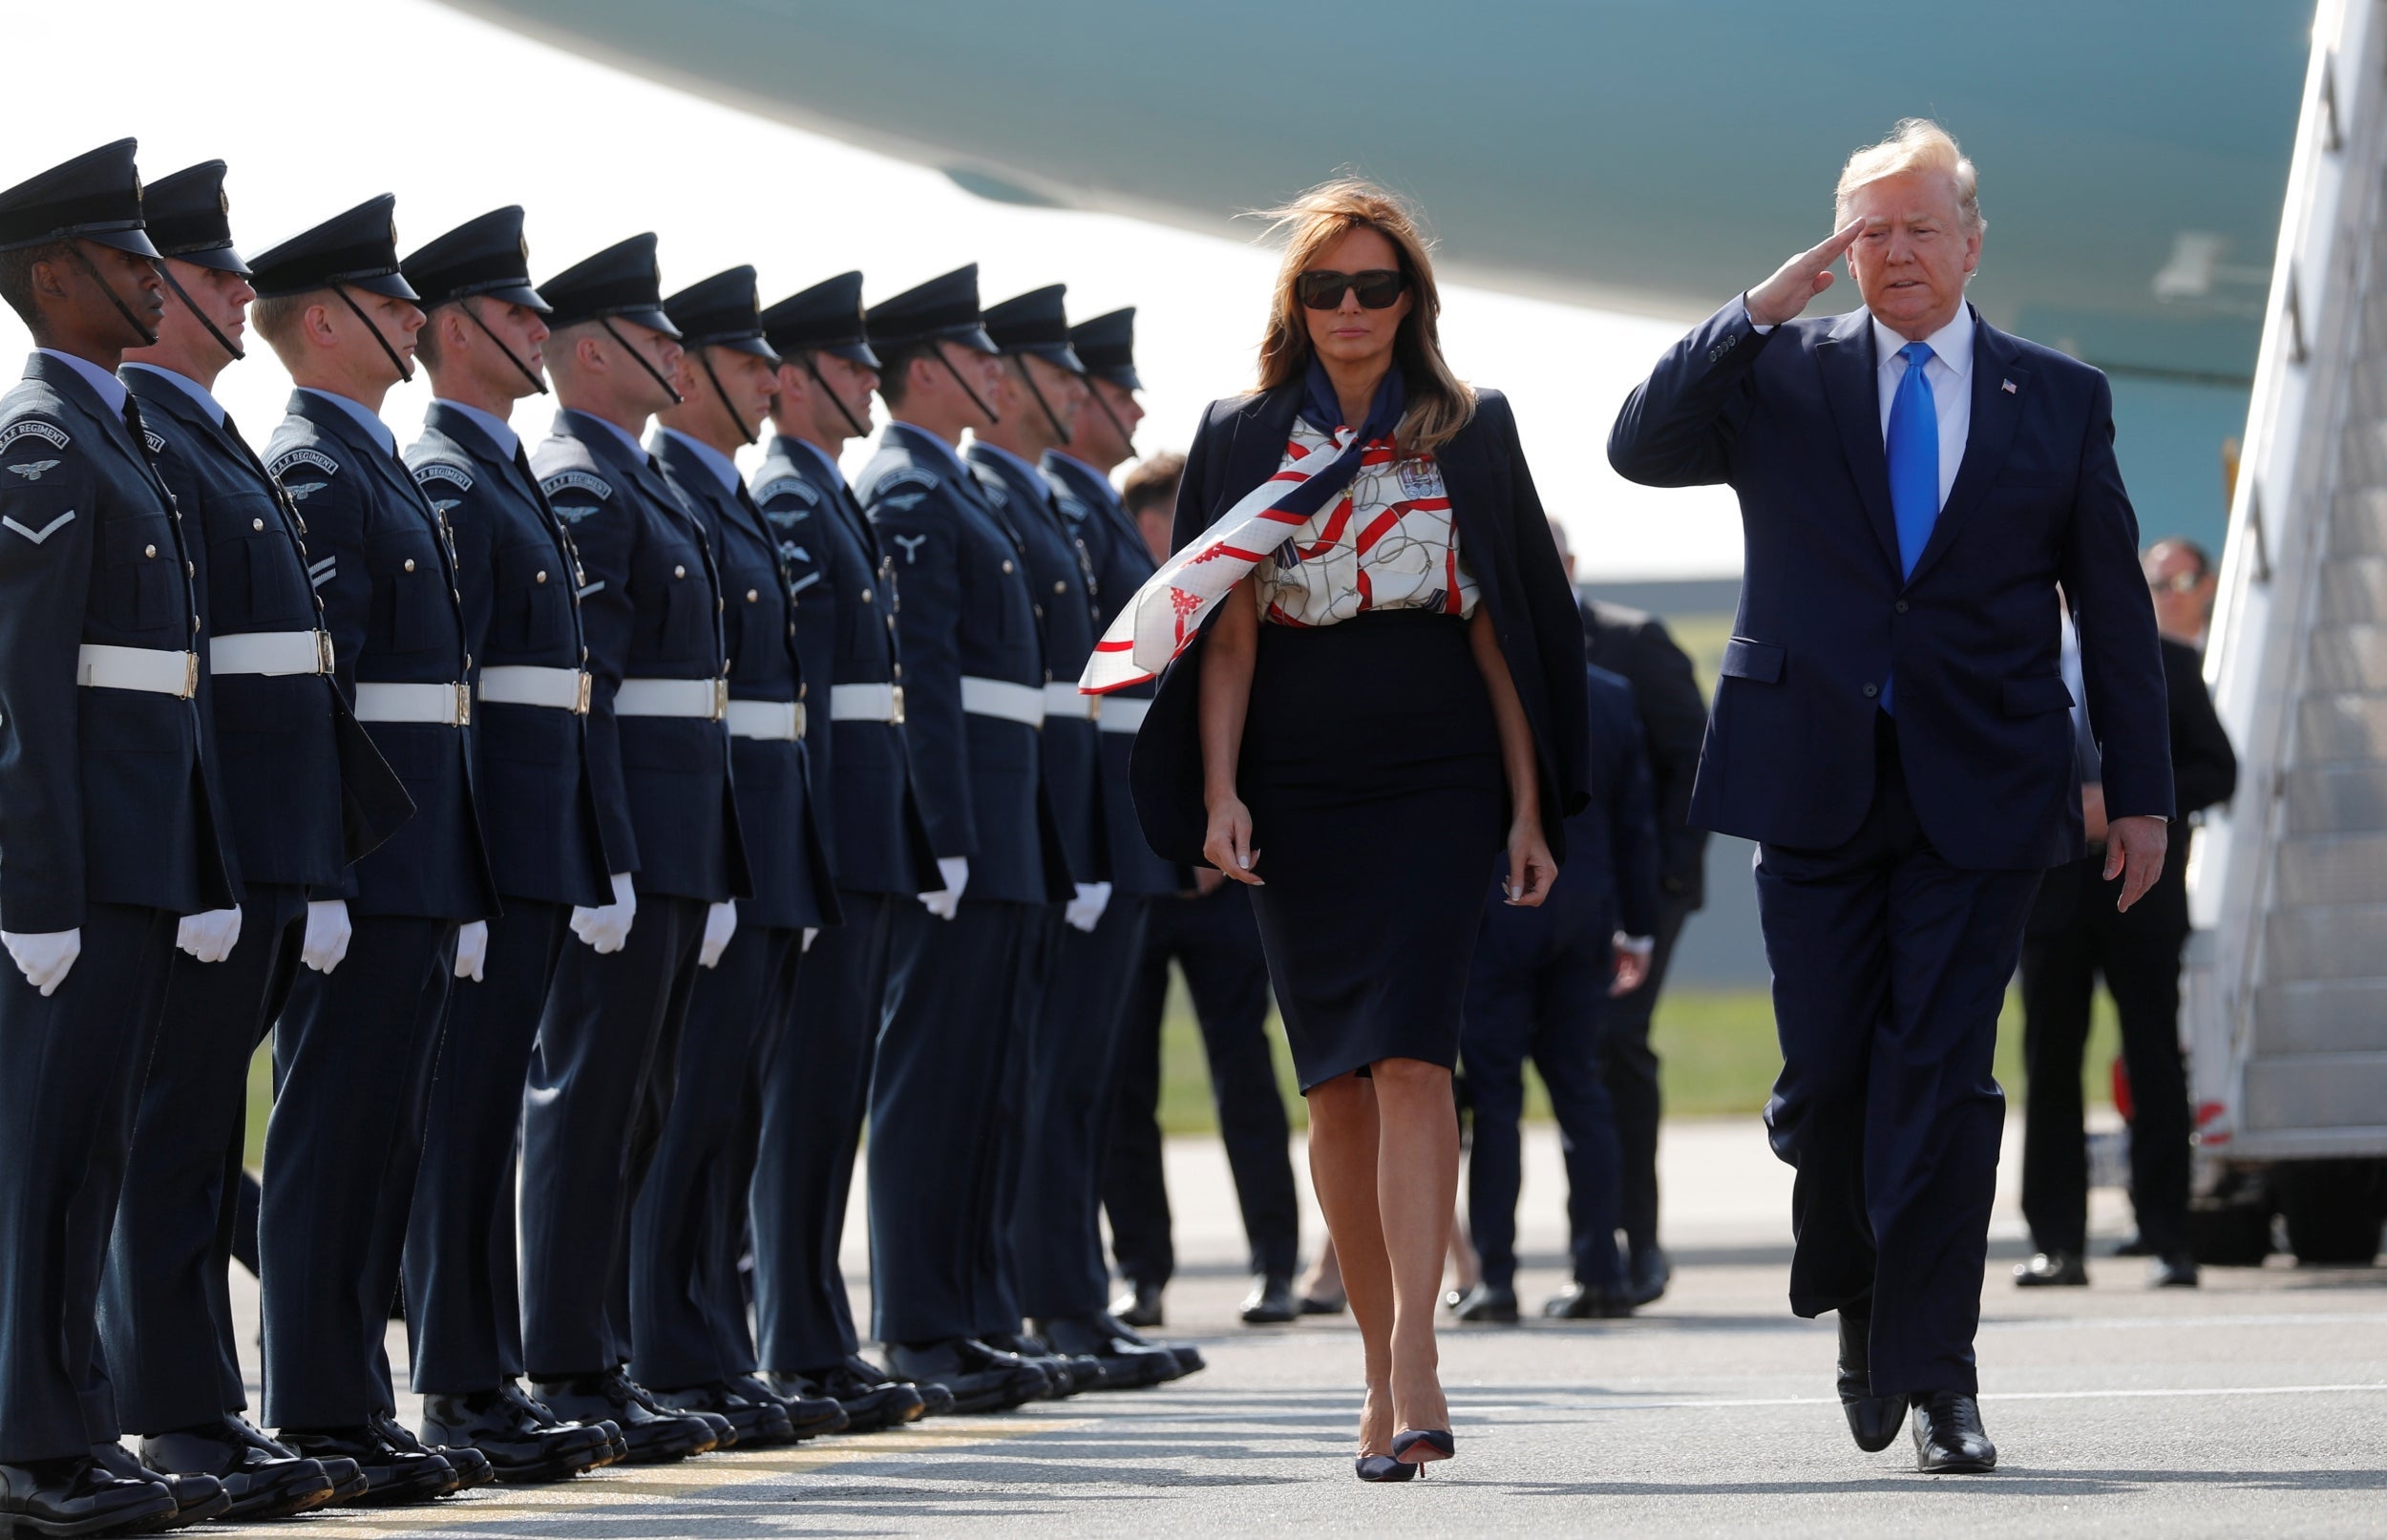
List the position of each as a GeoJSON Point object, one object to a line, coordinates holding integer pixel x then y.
{"type": "Point", "coordinates": [1530, 869]}
{"type": "Point", "coordinates": [1228, 654]}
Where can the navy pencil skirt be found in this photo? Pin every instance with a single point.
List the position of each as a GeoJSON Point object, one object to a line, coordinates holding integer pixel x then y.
{"type": "Point", "coordinates": [1371, 766]}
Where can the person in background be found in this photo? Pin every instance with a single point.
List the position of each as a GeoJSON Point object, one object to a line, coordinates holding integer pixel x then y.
{"type": "Point", "coordinates": [1674, 723]}
{"type": "Point", "coordinates": [2075, 934]}
{"type": "Point", "coordinates": [2182, 579]}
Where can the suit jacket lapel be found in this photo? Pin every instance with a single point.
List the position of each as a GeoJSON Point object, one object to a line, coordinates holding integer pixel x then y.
{"type": "Point", "coordinates": [1467, 479]}
{"type": "Point", "coordinates": [1995, 411]}
{"type": "Point", "coordinates": [1845, 357]}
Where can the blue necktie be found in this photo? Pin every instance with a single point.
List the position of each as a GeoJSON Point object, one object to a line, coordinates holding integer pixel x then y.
{"type": "Point", "coordinates": [1913, 451]}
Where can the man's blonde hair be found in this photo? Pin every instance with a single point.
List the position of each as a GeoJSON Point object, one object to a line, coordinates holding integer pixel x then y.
{"type": "Point", "coordinates": [1915, 144]}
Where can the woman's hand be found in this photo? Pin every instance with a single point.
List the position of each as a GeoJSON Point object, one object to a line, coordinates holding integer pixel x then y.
{"type": "Point", "coordinates": [1228, 843]}
{"type": "Point", "coordinates": [1531, 870]}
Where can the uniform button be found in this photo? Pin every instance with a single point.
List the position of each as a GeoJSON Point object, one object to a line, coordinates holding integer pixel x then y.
{"type": "Point", "coordinates": [150, 551]}
{"type": "Point", "coordinates": [1006, 566]}
{"type": "Point", "coordinates": [410, 563]}
{"type": "Point", "coordinates": [1038, 609]}
{"type": "Point", "coordinates": [257, 523]}
{"type": "Point", "coordinates": [679, 572]}
{"type": "Point", "coordinates": [1871, 691]}
{"type": "Point", "coordinates": [1060, 587]}
{"type": "Point", "coordinates": [1900, 606]}
{"type": "Point", "coordinates": [865, 596]}
{"type": "Point", "coordinates": [542, 578]}
{"type": "Point", "coordinates": [754, 596]}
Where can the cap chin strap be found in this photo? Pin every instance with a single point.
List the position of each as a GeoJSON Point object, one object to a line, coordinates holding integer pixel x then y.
{"type": "Point", "coordinates": [1127, 440]}
{"type": "Point", "coordinates": [148, 337]}
{"type": "Point", "coordinates": [652, 372]}
{"type": "Point", "coordinates": [406, 371]}
{"type": "Point", "coordinates": [1018, 361]}
{"type": "Point", "coordinates": [200, 316]}
{"type": "Point", "coordinates": [529, 373]}
{"type": "Point", "coordinates": [705, 362]}
{"type": "Point", "coordinates": [861, 430]}
{"type": "Point", "coordinates": [936, 345]}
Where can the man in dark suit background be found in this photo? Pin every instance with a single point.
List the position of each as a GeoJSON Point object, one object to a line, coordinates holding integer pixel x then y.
{"type": "Point", "coordinates": [1891, 726]}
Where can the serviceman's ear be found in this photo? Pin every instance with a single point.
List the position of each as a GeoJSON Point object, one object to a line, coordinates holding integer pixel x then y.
{"type": "Point", "coordinates": [316, 325]}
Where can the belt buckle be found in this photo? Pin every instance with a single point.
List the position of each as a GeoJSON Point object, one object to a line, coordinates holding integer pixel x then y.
{"type": "Point", "coordinates": [580, 702]}
{"type": "Point", "coordinates": [190, 675]}
{"type": "Point", "coordinates": [895, 709]}
{"type": "Point", "coordinates": [801, 719]}
{"type": "Point", "coordinates": [324, 661]}
{"type": "Point", "coordinates": [463, 704]}
{"type": "Point", "coordinates": [721, 699]}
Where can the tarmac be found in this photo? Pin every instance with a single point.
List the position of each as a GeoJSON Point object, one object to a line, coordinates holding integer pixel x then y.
{"type": "Point", "coordinates": [2253, 1405]}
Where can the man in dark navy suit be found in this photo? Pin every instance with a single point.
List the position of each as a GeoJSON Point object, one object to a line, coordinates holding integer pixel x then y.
{"type": "Point", "coordinates": [817, 1081]}
{"type": "Point", "coordinates": [600, 1085]}
{"type": "Point", "coordinates": [353, 1052]}
{"type": "Point", "coordinates": [277, 726]}
{"type": "Point", "coordinates": [964, 977]}
{"type": "Point", "coordinates": [515, 573]}
{"type": "Point", "coordinates": [1892, 725]}
{"type": "Point", "coordinates": [687, 1310]}
{"type": "Point", "coordinates": [107, 831]}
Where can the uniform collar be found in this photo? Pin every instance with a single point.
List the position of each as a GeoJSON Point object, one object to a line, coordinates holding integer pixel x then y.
{"type": "Point", "coordinates": [1027, 473]}
{"type": "Point", "coordinates": [500, 433]}
{"type": "Point", "coordinates": [920, 443]}
{"type": "Point", "coordinates": [823, 464]}
{"type": "Point", "coordinates": [111, 390]}
{"type": "Point", "coordinates": [724, 470]}
{"type": "Point", "coordinates": [201, 396]}
{"type": "Point", "coordinates": [371, 422]}
{"type": "Point", "coordinates": [1082, 472]}
{"type": "Point", "coordinates": [571, 419]}
{"type": "Point", "coordinates": [1951, 344]}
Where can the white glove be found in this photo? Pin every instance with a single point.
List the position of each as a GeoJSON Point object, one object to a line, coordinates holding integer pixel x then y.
{"type": "Point", "coordinates": [946, 901]}
{"type": "Point", "coordinates": [607, 926]}
{"type": "Point", "coordinates": [1086, 910]}
{"type": "Point", "coordinates": [720, 923]}
{"type": "Point", "coordinates": [210, 937]}
{"type": "Point", "coordinates": [472, 950]}
{"type": "Point", "coordinates": [328, 931]}
{"type": "Point", "coordinates": [812, 933]}
{"type": "Point", "coordinates": [44, 958]}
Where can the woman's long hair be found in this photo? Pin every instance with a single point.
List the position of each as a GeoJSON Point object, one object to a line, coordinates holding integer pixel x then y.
{"type": "Point", "coordinates": [1440, 404]}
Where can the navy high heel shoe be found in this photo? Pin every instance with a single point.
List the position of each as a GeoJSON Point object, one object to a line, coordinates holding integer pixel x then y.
{"type": "Point", "coordinates": [1383, 1467]}
{"type": "Point", "coordinates": [1437, 1440]}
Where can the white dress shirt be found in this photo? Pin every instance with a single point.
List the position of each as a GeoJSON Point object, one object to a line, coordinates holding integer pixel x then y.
{"type": "Point", "coordinates": [111, 390]}
{"type": "Point", "coordinates": [724, 470]}
{"type": "Point", "coordinates": [364, 418]}
{"type": "Point", "coordinates": [201, 396]}
{"type": "Point", "coordinates": [1949, 375]}
{"type": "Point", "coordinates": [500, 432]}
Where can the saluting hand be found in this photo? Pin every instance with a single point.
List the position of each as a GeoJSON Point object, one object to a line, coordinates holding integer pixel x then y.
{"type": "Point", "coordinates": [1801, 279]}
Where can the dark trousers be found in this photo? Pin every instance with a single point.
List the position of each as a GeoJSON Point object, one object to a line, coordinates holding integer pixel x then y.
{"type": "Point", "coordinates": [1027, 1047]}
{"type": "Point", "coordinates": [1215, 941]}
{"type": "Point", "coordinates": [1628, 1067]}
{"type": "Point", "coordinates": [463, 1306]}
{"type": "Point", "coordinates": [815, 1095]}
{"type": "Point", "coordinates": [353, 1061]}
{"type": "Point", "coordinates": [593, 1112]}
{"type": "Point", "coordinates": [1539, 986]}
{"type": "Point", "coordinates": [1890, 967]}
{"type": "Point", "coordinates": [937, 1097]}
{"type": "Point", "coordinates": [70, 1073]}
{"type": "Point", "coordinates": [688, 1224]}
{"type": "Point", "coordinates": [166, 1317]}
{"type": "Point", "coordinates": [1056, 1235]}
{"type": "Point", "coordinates": [2139, 959]}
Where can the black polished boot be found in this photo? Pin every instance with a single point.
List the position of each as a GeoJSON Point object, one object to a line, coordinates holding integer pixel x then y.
{"type": "Point", "coordinates": [1949, 1440]}
{"type": "Point", "coordinates": [262, 1481]}
{"type": "Point", "coordinates": [1490, 1304]}
{"type": "Point", "coordinates": [653, 1436]}
{"type": "Point", "coordinates": [520, 1448]}
{"type": "Point", "coordinates": [394, 1473]}
{"type": "Point", "coordinates": [197, 1498]}
{"type": "Point", "coordinates": [1270, 1303]}
{"type": "Point", "coordinates": [1872, 1420]}
{"type": "Point", "coordinates": [1126, 1364]}
{"type": "Point", "coordinates": [79, 1495]}
{"type": "Point", "coordinates": [758, 1424]}
{"type": "Point", "coordinates": [871, 1401]}
{"type": "Point", "coordinates": [981, 1377]}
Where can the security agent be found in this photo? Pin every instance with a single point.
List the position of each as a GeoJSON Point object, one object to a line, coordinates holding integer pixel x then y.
{"type": "Point", "coordinates": [106, 830]}
{"type": "Point", "coordinates": [687, 1308]}
{"type": "Point", "coordinates": [277, 728]}
{"type": "Point", "coordinates": [817, 1086]}
{"type": "Point", "coordinates": [353, 1052]}
{"type": "Point", "coordinates": [659, 751]}
{"type": "Point", "coordinates": [963, 970]}
{"type": "Point", "coordinates": [518, 580]}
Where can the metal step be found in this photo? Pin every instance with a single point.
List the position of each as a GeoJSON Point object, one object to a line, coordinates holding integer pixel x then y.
{"type": "Point", "coordinates": [2324, 942]}
{"type": "Point", "coordinates": [2344, 725]}
{"type": "Point", "coordinates": [2328, 799]}
{"type": "Point", "coordinates": [2354, 592]}
{"type": "Point", "coordinates": [2322, 1016]}
{"type": "Point", "coordinates": [2348, 658]}
{"type": "Point", "coordinates": [2316, 1091]}
{"type": "Point", "coordinates": [2334, 869]}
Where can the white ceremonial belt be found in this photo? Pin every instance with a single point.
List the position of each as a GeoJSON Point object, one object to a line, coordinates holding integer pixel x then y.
{"type": "Point", "coordinates": [778, 721]}
{"type": "Point", "coordinates": [1000, 698]}
{"type": "Point", "coordinates": [866, 702]}
{"type": "Point", "coordinates": [271, 653]}
{"type": "Point", "coordinates": [560, 690]}
{"type": "Point", "coordinates": [707, 699]}
{"type": "Point", "coordinates": [444, 705]}
{"type": "Point", "coordinates": [1121, 714]}
{"type": "Point", "coordinates": [1064, 699]}
{"type": "Point", "coordinates": [153, 669]}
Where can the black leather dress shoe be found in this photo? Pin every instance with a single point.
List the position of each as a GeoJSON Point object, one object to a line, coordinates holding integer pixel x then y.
{"type": "Point", "coordinates": [79, 1495]}
{"type": "Point", "coordinates": [653, 1436]}
{"type": "Point", "coordinates": [758, 1424]}
{"type": "Point", "coordinates": [1270, 1303]}
{"type": "Point", "coordinates": [1310, 1305]}
{"type": "Point", "coordinates": [2177, 1271]}
{"type": "Point", "coordinates": [1587, 1301]}
{"type": "Point", "coordinates": [1947, 1436]}
{"type": "Point", "coordinates": [2052, 1270]}
{"type": "Point", "coordinates": [936, 1397]}
{"type": "Point", "coordinates": [810, 1414]}
{"type": "Point", "coordinates": [1126, 1364]}
{"type": "Point", "coordinates": [871, 1404]}
{"type": "Point", "coordinates": [394, 1473]}
{"type": "Point", "coordinates": [1490, 1304]}
{"type": "Point", "coordinates": [259, 1484]}
{"type": "Point", "coordinates": [1139, 1305]}
{"type": "Point", "coordinates": [346, 1477]}
{"type": "Point", "coordinates": [1190, 1359]}
{"type": "Point", "coordinates": [1646, 1275]}
{"type": "Point", "coordinates": [616, 1448]}
{"type": "Point", "coordinates": [473, 1468]}
{"type": "Point", "coordinates": [981, 1379]}
{"type": "Point", "coordinates": [1872, 1420]}
{"type": "Point", "coordinates": [2134, 1246]}
{"type": "Point", "coordinates": [520, 1447]}
{"type": "Point", "coordinates": [197, 1498]}
{"type": "Point", "coordinates": [1067, 1373]}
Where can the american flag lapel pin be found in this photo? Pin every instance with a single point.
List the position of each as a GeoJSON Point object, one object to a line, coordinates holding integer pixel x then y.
{"type": "Point", "coordinates": [2006, 386]}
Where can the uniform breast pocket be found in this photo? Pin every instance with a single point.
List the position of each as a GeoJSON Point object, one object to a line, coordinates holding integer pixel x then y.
{"type": "Point", "coordinates": [254, 569]}
{"type": "Point", "coordinates": [756, 617]}
{"type": "Point", "coordinates": [688, 606]}
{"type": "Point", "coordinates": [530, 574]}
{"type": "Point", "coordinates": [416, 608]}
{"type": "Point", "coordinates": [142, 572]}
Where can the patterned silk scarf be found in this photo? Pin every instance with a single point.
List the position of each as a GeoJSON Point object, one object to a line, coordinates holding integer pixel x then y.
{"type": "Point", "coordinates": [1167, 612]}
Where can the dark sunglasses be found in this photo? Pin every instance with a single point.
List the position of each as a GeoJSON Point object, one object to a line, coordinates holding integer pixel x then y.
{"type": "Point", "coordinates": [1379, 288]}
{"type": "Point", "coordinates": [2179, 582]}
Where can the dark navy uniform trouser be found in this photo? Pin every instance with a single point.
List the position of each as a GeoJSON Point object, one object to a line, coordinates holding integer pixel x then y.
{"type": "Point", "coordinates": [1056, 1233]}
{"type": "Point", "coordinates": [165, 1318]}
{"type": "Point", "coordinates": [594, 1108]}
{"type": "Point", "coordinates": [463, 1307]}
{"type": "Point", "coordinates": [998, 1310]}
{"type": "Point", "coordinates": [687, 1316]}
{"type": "Point", "coordinates": [352, 1058]}
{"type": "Point", "coordinates": [1890, 969]}
{"type": "Point", "coordinates": [816, 1096]}
{"type": "Point", "coordinates": [70, 1073]}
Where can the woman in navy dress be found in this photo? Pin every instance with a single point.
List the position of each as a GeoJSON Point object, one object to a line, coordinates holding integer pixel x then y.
{"type": "Point", "coordinates": [1373, 687]}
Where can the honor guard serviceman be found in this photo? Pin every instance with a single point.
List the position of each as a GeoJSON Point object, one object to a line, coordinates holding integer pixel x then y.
{"type": "Point", "coordinates": [1054, 1238]}
{"type": "Point", "coordinates": [688, 1334]}
{"type": "Point", "coordinates": [519, 580]}
{"type": "Point", "coordinates": [963, 970]}
{"type": "Point", "coordinates": [816, 1085]}
{"type": "Point", "coordinates": [278, 727]}
{"type": "Point", "coordinates": [353, 1052]}
{"type": "Point", "coordinates": [107, 833]}
{"type": "Point", "coordinates": [658, 751]}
